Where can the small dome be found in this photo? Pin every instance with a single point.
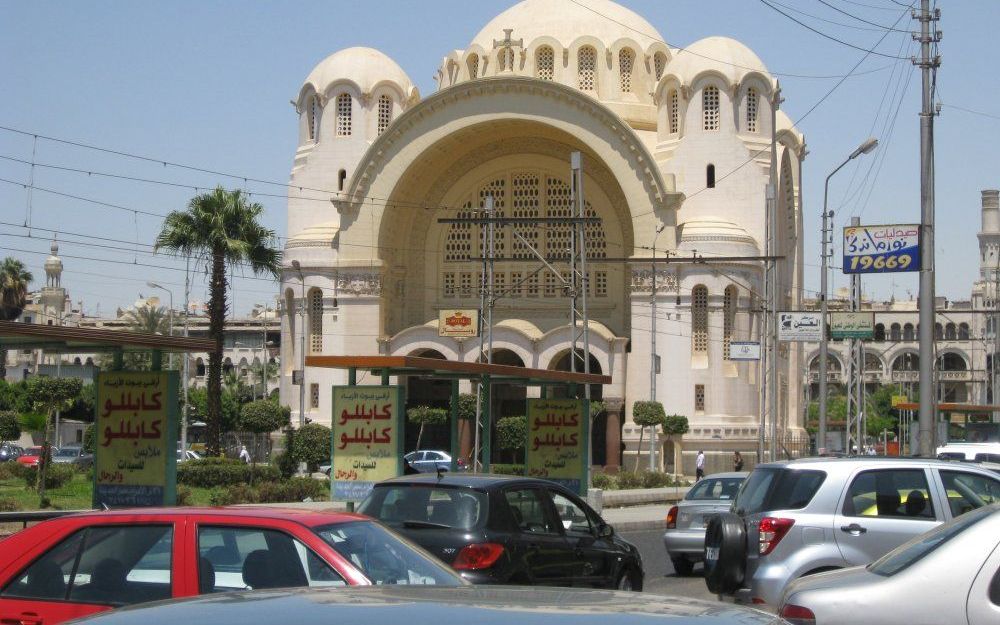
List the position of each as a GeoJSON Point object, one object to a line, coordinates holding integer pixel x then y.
{"type": "Point", "coordinates": [567, 20]}
{"type": "Point", "coordinates": [523, 326]}
{"type": "Point", "coordinates": [727, 56]}
{"type": "Point", "coordinates": [320, 235]}
{"type": "Point", "coordinates": [784, 123]}
{"type": "Point", "coordinates": [365, 67]}
{"type": "Point", "coordinates": [712, 234]}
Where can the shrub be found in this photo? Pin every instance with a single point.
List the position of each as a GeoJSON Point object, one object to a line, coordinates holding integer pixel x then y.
{"type": "Point", "coordinates": [286, 464]}
{"type": "Point", "coordinates": [19, 471]}
{"type": "Point", "coordinates": [629, 479]}
{"type": "Point", "coordinates": [209, 472]}
{"type": "Point", "coordinates": [9, 504]}
{"type": "Point", "coordinates": [231, 495]}
{"type": "Point", "coordinates": [183, 495]}
{"type": "Point", "coordinates": [512, 433]}
{"type": "Point", "coordinates": [7, 471]}
{"type": "Point", "coordinates": [311, 444]}
{"type": "Point", "coordinates": [294, 489]}
{"type": "Point", "coordinates": [507, 469]}
{"type": "Point", "coordinates": [57, 476]}
{"type": "Point", "coordinates": [10, 427]}
{"type": "Point", "coordinates": [605, 481]}
{"type": "Point", "coordinates": [424, 416]}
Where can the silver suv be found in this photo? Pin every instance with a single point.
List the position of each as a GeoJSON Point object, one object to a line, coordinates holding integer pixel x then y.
{"type": "Point", "coordinates": [805, 516]}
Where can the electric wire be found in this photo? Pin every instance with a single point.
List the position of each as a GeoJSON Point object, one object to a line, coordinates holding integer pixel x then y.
{"type": "Point", "coordinates": [827, 36]}
{"type": "Point", "coordinates": [862, 20]}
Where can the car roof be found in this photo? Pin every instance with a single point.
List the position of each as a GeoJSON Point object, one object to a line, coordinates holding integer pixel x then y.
{"type": "Point", "coordinates": [469, 480]}
{"type": "Point", "coordinates": [304, 516]}
{"type": "Point", "coordinates": [728, 475]}
{"type": "Point", "coordinates": [845, 461]}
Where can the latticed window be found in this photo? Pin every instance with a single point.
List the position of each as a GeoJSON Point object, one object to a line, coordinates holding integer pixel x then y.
{"type": "Point", "coordinates": [601, 283]}
{"type": "Point", "coordinates": [699, 397]}
{"type": "Point", "coordinates": [499, 283]}
{"type": "Point", "coordinates": [699, 319]}
{"type": "Point", "coordinates": [516, 288]}
{"type": "Point", "coordinates": [531, 285]}
{"type": "Point", "coordinates": [465, 285]}
{"type": "Point", "coordinates": [313, 117]}
{"type": "Point", "coordinates": [448, 280]}
{"type": "Point", "coordinates": [545, 63]}
{"type": "Point", "coordinates": [626, 61]}
{"type": "Point", "coordinates": [497, 189]}
{"type": "Point", "coordinates": [314, 395]}
{"type": "Point", "coordinates": [728, 318]}
{"type": "Point", "coordinates": [586, 60]}
{"type": "Point", "coordinates": [473, 65]}
{"type": "Point", "coordinates": [458, 246]}
{"type": "Point", "coordinates": [659, 64]}
{"type": "Point", "coordinates": [710, 107]}
{"type": "Point", "coordinates": [505, 59]}
{"type": "Point", "coordinates": [344, 113]}
{"type": "Point", "coordinates": [316, 321]}
{"type": "Point", "coordinates": [752, 100]}
{"type": "Point", "coordinates": [524, 199]}
{"type": "Point", "coordinates": [384, 113]}
{"type": "Point", "coordinates": [675, 111]}
{"type": "Point", "coordinates": [551, 283]}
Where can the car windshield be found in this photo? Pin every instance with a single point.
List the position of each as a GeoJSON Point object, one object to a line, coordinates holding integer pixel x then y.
{"type": "Point", "coordinates": [715, 489]}
{"type": "Point", "coordinates": [432, 506]}
{"type": "Point", "coordinates": [775, 488]}
{"type": "Point", "coordinates": [67, 452]}
{"type": "Point", "coordinates": [33, 451]}
{"type": "Point", "coordinates": [384, 557]}
{"type": "Point", "coordinates": [915, 550]}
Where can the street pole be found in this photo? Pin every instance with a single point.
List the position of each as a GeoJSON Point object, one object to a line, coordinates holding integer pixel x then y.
{"type": "Point", "coordinates": [302, 344]}
{"type": "Point", "coordinates": [856, 371]}
{"type": "Point", "coordinates": [772, 249]}
{"type": "Point", "coordinates": [652, 354]}
{"type": "Point", "coordinates": [170, 317]}
{"type": "Point", "coordinates": [927, 420]}
{"type": "Point", "coordinates": [187, 359]}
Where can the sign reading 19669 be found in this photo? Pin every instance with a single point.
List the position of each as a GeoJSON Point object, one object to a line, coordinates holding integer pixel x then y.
{"type": "Point", "coordinates": [882, 249]}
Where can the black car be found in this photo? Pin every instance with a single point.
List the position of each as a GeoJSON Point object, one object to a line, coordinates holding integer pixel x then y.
{"type": "Point", "coordinates": [507, 530]}
{"type": "Point", "coordinates": [9, 451]}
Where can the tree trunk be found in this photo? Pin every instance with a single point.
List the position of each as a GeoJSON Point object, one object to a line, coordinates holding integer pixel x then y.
{"type": "Point", "coordinates": [3, 363]}
{"type": "Point", "coordinates": [420, 435]}
{"type": "Point", "coordinates": [216, 327]}
{"type": "Point", "coordinates": [638, 450]}
{"type": "Point", "coordinates": [43, 463]}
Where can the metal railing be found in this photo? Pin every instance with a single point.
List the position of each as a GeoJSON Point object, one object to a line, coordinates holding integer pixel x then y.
{"type": "Point", "coordinates": [34, 516]}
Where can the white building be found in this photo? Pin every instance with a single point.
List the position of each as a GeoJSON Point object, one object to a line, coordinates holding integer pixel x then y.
{"type": "Point", "coordinates": [676, 155]}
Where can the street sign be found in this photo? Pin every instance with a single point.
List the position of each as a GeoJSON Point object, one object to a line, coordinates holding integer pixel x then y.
{"type": "Point", "coordinates": [852, 325]}
{"type": "Point", "coordinates": [882, 249]}
{"type": "Point", "coordinates": [744, 351]}
{"type": "Point", "coordinates": [799, 326]}
{"type": "Point", "coordinates": [367, 439]}
{"type": "Point", "coordinates": [557, 441]}
{"type": "Point", "coordinates": [460, 323]}
{"type": "Point", "coordinates": [899, 399]}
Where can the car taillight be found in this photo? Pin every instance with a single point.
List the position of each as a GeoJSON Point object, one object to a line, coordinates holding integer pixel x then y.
{"type": "Point", "coordinates": [672, 518]}
{"type": "Point", "coordinates": [479, 556]}
{"type": "Point", "coordinates": [772, 530]}
{"type": "Point", "coordinates": [797, 615]}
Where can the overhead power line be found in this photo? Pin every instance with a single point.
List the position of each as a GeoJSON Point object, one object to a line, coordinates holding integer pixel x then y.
{"type": "Point", "coordinates": [862, 20]}
{"type": "Point", "coordinates": [827, 36]}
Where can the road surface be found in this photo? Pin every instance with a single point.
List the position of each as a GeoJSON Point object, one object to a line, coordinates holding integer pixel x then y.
{"type": "Point", "coordinates": [660, 576]}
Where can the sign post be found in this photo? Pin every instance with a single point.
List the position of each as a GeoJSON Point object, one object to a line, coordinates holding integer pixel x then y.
{"type": "Point", "coordinates": [799, 326]}
{"type": "Point", "coordinates": [882, 249]}
{"type": "Point", "coordinates": [852, 325]}
{"type": "Point", "coordinates": [557, 443]}
{"type": "Point", "coordinates": [744, 350]}
{"type": "Point", "coordinates": [367, 441]}
{"type": "Point", "coordinates": [135, 443]}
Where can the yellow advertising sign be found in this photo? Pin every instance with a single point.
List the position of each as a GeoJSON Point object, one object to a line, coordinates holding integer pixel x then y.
{"type": "Point", "coordinates": [899, 399]}
{"type": "Point", "coordinates": [135, 440]}
{"type": "Point", "coordinates": [367, 438]}
{"type": "Point", "coordinates": [557, 441]}
{"type": "Point", "coordinates": [452, 322]}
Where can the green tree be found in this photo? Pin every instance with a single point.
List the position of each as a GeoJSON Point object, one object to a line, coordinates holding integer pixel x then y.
{"type": "Point", "coordinates": [222, 226]}
{"type": "Point", "coordinates": [81, 407]}
{"type": "Point", "coordinates": [14, 280]}
{"type": "Point", "coordinates": [311, 445]}
{"type": "Point", "coordinates": [10, 427]}
{"type": "Point", "coordinates": [230, 415]}
{"type": "Point", "coordinates": [89, 435]}
{"type": "Point", "coordinates": [424, 416]}
{"type": "Point", "coordinates": [148, 318]}
{"type": "Point", "coordinates": [263, 417]}
{"type": "Point", "coordinates": [647, 414]}
{"type": "Point", "coordinates": [512, 435]}
{"type": "Point", "coordinates": [48, 396]}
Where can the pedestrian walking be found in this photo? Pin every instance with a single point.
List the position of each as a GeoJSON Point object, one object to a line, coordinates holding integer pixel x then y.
{"type": "Point", "coordinates": [699, 466]}
{"type": "Point", "coordinates": [737, 461]}
{"type": "Point", "coordinates": [244, 454]}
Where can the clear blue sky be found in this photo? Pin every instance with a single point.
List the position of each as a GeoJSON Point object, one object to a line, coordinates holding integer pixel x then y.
{"type": "Point", "coordinates": [209, 84]}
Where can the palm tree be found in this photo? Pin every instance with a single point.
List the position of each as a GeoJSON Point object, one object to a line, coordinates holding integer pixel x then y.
{"type": "Point", "coordinates": [14, 279]}
{"type": "Point", "coordinates": [222, 227]}
{"type": "Point", "coordinates": [148, 318]}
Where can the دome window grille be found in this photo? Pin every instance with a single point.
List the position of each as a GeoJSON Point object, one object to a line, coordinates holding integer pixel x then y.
{"type": "Point", "coordinates": [545, 63]}
{"type": "Point", "coordinates": [316, 321]}
{"type": "Point", "coordinates": [474, 66]}
{"type": "Point", "coordinates": [699, 397]}
{"type": "Point", "coordinates": [675, 110]}
{"type": "Point", "coordinates": [449, 285]}
{"type": "Point", "coordinates": [699, 319]}
{"type": "Point", "coordinates": [659, 64]}
{"type": "Point", "coordinates": [345, 107]}
{"type": "Point", "coordinates": [313, 117]}
{"type": "Point", "coordinates": [384, 113]}
{"type": "Point", "coordinates": [587, 68]}
{"type": "Point", "coordinates": [505, 59]}
{"type": "Point", "coordinates": [516, 288]}
{"type": "Point", "coordinates": [499, 283]}
{"type": "Point", "coordinates": [626, 61]}
{"type": "Point", "coordinates": [752, 100]}
{"type": "Point", "coordinates": [710, 107]}
{"type": "Point", "coordinates": [498, 190]}
{"type": "Point", "coordinates": [710, 176]}
{"type": "Point", "coordinates": [525, 200]}
{"type": "Point", "coordinates": [314, 395]}
{"type": "Point", "coordinates": [458, 246]}
{"type": "Point", "coordinates": [728, 319]}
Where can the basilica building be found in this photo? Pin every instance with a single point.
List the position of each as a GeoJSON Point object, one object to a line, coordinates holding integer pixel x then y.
{"type": "Point", "coordinates": [676, 157]}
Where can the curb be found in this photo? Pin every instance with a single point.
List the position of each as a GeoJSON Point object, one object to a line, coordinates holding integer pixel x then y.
{"type": "Point", "coordinates": [634, 526]}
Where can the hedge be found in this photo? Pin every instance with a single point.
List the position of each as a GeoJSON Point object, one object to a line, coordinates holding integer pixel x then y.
{"type": "Point", "coordinates": [57, 475]}
{"type": "Point", "coordinates": [294, 489]}
{"type": "Point", "coordinates": [210, 472]}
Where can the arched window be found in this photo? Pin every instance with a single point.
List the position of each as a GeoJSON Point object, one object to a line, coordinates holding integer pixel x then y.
{"type": "Point", "coordinates": [77, 361]}
{"type": "Point", "coordinates": [699, 319]}
{"type": "Point", "coordinates": [341, 179]}
{"type": "Point", "coordinates": [938, 332]}
{"type": "Point", "coordinates": [505, 59]}
{"type": "Point", "coordinates": [963, 332]}
{"type": "Point", "coordinates": [872, 362]}
{"type": "Point", "coordinates": [908, 332]}
{"type": "Point", "coordinates": [344, 113]}
{"type": "Point", "coordinates": [199, 368]}
{"type": "Point", "coordinates": [89, 362]}
{"type": "Point", "coordinates": [473, 66]}
{"type": "Point", "coordinates": [951, 362]}
{"type": "Point", "coordinates": [545, 63]}
{"type": "Point", "coordinates": [291, 313]}
{"type": "Point", "coordinates": [710, 176]}
{"type": "Point", "coordinates": [626, 61]}
{"type": "Point", "coordinates": [586, 60]}
{"type": "Point", "coordinates": [675, 110]}
{"type": "Point", "coordinates": [312, 115]}
{"type": "Point", "coordinates": [729, 301]}
{"type": "Point", "coordinates": [880, 332]}
{"type": "Point", "coordinates": [895, 332]}
{"type": "Point", "coordinates": [315, 321]}
{"type": "Point", "coordinates": [752, 100]}
{"type": "Point", "coordinates": [951, 332]}
{"type": "Point", "coordinates": [906, 362]}
{"type": "Point", "coordinates": [384, 113]}
{"type": "Point", "coordinates": [710, 107]}
{"type": "Point", "coordinates": [659, 64]}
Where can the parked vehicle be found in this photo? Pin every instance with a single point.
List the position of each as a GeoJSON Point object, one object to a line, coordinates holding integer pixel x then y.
{"type": "Point", "coordinates": [31, 456]}
{"type": "Point", "coordinates": [73, 454]}
{"type": "Point", "coordinates": [429, 461]}
{"type": "Point", "coordinates": [80, 564]}
{"type": "Point", "coordinates": [950, 574]}
{"type": "Point", "coordinates": [801, 517]}
{"type": "Point", "coordinates": [978, 452]}
{"type": "Point", "coordinates": [480, 605]}
{"type": "Point", "coordinates": [185, 455]}
{"type": "Point", "coordinates": [9, 452]}
{"type": "Point", "coordinates": [684, 539]}
{"type": "Point", "coordinates": [507, 530]}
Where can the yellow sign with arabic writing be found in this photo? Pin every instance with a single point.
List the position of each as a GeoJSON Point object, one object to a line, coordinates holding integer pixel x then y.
{"type": "Point", "coordinates": [367, 439]}
{"type": "Point", "coordinates": [557, 441]}
{"type": "Point", "coordinates": [135, 439]}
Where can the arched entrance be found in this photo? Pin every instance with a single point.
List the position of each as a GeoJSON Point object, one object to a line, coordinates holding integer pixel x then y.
{"type": "Point", "coordinates": [599, 430]}
{"type": "Point", "coordinates": [435, 393]}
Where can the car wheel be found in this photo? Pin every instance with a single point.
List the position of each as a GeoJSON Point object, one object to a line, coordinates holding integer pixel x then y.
{"type": "Point", "coordinates": [682, 565]}
{"type": "Point", "coordinates": [627, 582]}
{"type": "Point", "coordinates": [725, 553]}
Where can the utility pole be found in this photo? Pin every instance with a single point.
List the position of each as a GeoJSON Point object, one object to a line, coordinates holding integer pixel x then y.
{"type": "Point", "coordinates": [928, 64]}
{"type": "Point", "coordinates": [771, 275]}
{"type": "Point", "coordinates": [580, 285]}
{"type": "Point", "coordinates": [855, 380]}
{"type": "Point", "coordinates": [187, 356]}
{"type": "Point", "coordinates": [653, 357]}
{"type": "Point", "coordinates": [486, 300]}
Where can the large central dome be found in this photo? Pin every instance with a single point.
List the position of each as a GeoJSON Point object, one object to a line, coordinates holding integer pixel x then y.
{"type": "Point", "coordinates": [566, 20]}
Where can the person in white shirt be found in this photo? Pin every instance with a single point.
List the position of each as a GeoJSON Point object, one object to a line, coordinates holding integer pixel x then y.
{"type": "Point", "coordinates": [699, 466]}
{"type": "Point", "coordinates": [244, 454]}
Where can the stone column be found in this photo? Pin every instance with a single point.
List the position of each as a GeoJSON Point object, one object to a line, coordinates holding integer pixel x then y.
{"type": "Point", "coordinates": [613, 437]}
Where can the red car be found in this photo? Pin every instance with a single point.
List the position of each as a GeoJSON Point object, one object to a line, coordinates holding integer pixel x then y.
{"type": "Point", "coordinates": [76, 565]}
{"type": "Point", "coordinates": [31, 456]}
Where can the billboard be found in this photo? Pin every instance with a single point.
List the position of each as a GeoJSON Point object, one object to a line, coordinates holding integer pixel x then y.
{"type": "Point", "coordinates": [800, 326]}
{"type": "Point", "coordinates": [367, 439]}
{"type": "Point", "coordinates": [454, 322]}
{"type": "Point", "coordinates": [557, 441]}
{"type": "Point", "coordinates": [744, 350]}
{"type": "Point", "coordinates": [135, 442]}
{"type": "Point", "coordinates": [882, 249]}
{"type": "Point", "coordinates": [852, 325]}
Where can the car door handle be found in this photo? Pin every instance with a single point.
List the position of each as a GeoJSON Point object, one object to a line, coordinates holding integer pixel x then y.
{"type": "Point", "coordinates": [26, 618]}
{"type": "Point", "coordinates": [853, 529]}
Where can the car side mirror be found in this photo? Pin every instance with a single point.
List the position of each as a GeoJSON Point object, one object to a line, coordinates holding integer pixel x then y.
{"type": "Point", "coordinates": [605, 531]}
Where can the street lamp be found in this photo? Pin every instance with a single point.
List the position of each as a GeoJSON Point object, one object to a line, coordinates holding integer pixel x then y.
{"type": "Point", "coordinates": [870, 144]}
{"type": "Point", "coordinates": [652, 353]}
{"type": "Point", "coordinates": [170, 316]}
{"type": "Point", "coordinates": [302, 345]}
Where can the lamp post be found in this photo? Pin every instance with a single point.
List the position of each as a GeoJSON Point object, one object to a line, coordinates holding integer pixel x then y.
{"type": "Point", "coordinates": [302, 345]}
{"type": "Point", "coordinates": [170, 314]}
{"type": "Point", "coordinates": [652, 352]}
{"type": "Point", "coordinates": [865, 148]}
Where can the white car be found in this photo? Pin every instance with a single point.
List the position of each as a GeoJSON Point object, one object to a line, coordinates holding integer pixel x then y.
{"type": "Point", "coordinates": [184, 456]}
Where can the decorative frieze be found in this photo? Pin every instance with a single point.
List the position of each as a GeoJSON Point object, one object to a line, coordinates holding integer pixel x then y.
{"type": "Point", "coordinates": [367, 283]}
{"type": "Point", "coordinates": [642, 280]}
